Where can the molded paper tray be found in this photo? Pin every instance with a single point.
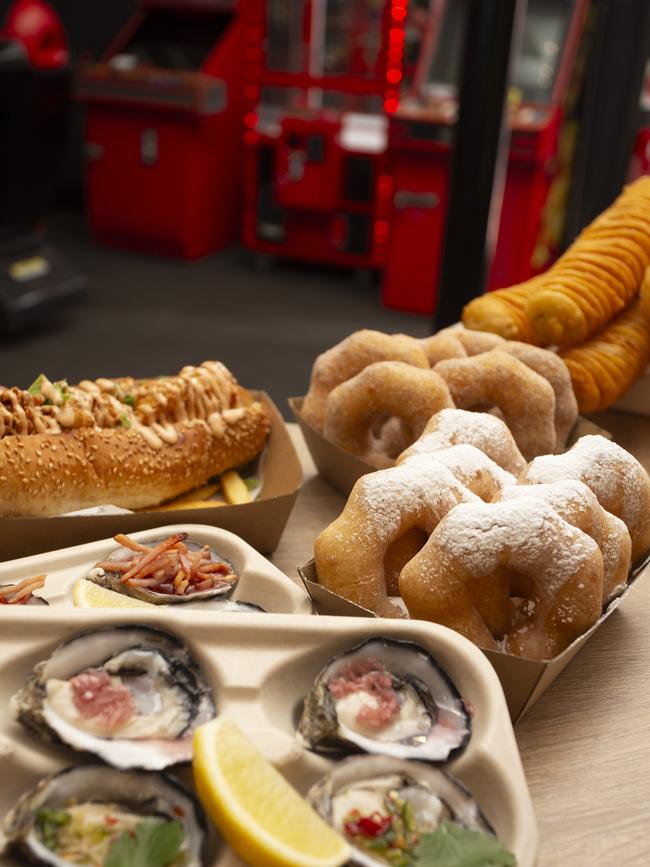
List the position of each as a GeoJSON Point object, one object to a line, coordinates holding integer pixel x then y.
{"type": "Point", "coordinates": [342, 469]}
{"type": "Point", "coordinates": [260, 582]}
{"type": "Point", "coordinates": [523, 680]}
{"type": "Point", "coordinates": [260, 667]}
{"type": "Point", "coordinates": [260, 523]}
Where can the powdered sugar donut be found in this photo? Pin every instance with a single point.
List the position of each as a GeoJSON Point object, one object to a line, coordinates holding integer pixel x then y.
{"type": "Point", "coordinates": [618, 480]}
{"type": "Point", "coordinates": [382, 507]}
{"type": "Point", "coordinates": [481, 556]}
{"type": "Point", "coordinates": [381, 391]}
{"type": "Point", "coordinates": [473, 469]}
{"type": "Point", "coordinates": [496, 379]}
{"type": "Point", "coordinates": [348, 358]}
{"type": "Point", "coordinates": [486, 432]}
{"type": "Point", "coordinates": [577, 505]}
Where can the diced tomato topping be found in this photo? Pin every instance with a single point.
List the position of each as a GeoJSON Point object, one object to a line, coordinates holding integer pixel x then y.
{"type": "Point", "coordinates": [368, 826]}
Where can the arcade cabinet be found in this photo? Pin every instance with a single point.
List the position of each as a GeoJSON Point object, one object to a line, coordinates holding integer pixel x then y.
{"type": "Point", "coordinates": [319, 79]}
{"type": "Point", "coordinates": [421, 134]}
{"type": "Point", "coordinates": [35, 279]}
{"type": "Point", "coordinates": [163, 129]}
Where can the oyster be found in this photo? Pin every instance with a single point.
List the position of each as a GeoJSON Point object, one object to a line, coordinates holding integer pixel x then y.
{"type": "Point", "coordinates": [76, 816]}
{"type": "Point", "coordinates": [166, 571]}
{"type": "Point", "coordinates": [383, 806]}
{"type": "Point", "coordinates": [386, 696]}
{"type": "Point", "coordinates": [131, 695]}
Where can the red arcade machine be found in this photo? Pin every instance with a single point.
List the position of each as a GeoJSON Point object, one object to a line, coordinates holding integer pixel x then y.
{"type": "Point", "coordinates": [320, 76]}
{"type": "Point", "coordinates": [163, 129]}
{"type": "Point", "coordinates": [421, 135]}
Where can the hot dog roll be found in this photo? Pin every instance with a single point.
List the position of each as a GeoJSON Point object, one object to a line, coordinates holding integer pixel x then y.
{"type": "Point", "coordinates": [133, 443]}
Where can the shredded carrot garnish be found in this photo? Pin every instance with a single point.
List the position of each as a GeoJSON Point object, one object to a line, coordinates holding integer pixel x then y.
{"type": "Point", "coordinates": [17, 594]}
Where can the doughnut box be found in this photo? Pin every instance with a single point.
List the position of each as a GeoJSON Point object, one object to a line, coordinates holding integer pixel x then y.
{"type": "Point", "coordinates": [342, 469]}
{"type": "Point", "coordinates": [260, 523]}
{"type": "Point", "coordinates": [523, 680]}
{"type": "Point", "coordinates": [258, 669]}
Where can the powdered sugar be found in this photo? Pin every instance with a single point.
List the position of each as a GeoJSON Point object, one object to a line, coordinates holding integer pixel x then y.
{"type": "Point", "coordinates": [474, 469]}
{"type": "Point", "coordinates": [486, 432]}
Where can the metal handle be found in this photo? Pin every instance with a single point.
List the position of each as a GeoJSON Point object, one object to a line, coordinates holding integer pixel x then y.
{"type": "Point", "coordinates": [411, 199]}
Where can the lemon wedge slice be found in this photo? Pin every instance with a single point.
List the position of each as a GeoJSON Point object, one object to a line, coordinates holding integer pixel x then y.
{"type": "Point", "coordinates": [87, 594]}
{"type": "Point", "coordinates": [260, 815]}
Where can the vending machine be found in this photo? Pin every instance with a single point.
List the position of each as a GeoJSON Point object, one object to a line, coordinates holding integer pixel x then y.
{"type": "Point", "coordinates": [163, 129]}
{"type": "Point", "coordinates": [420, 141]}
{"type": "Point", "coordinates": [321, 78]}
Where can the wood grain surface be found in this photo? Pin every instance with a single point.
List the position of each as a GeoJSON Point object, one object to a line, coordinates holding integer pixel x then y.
{"type": "Point", "coordinates": [585, 745]}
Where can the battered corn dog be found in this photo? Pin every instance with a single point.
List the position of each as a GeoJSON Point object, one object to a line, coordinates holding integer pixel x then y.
{"type": "Point", "coordinates": [503, 312]}
{"type": "Point", "coordinates": [603, 368]}
{"type": "Point", "coordinates": [598, 275]}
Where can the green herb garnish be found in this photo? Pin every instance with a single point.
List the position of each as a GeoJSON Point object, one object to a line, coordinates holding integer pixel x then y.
{"type": "Point", "coordinates": [125, 421]}
{"type": "Point", "coordinates": [128, 399]}
{"type": "Point", "coordinates": [49, 822]}
{"type": "Point", "coordinates": [451, 845]}
{"type": "Point", "coordinates": [153, 843]}
{"type": "Point", "coordinates": [251, 483]}
{"type": "Point", "coordinates": [35, 387]}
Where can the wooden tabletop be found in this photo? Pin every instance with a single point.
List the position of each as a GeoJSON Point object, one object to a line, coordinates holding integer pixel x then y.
{"type": "Point", "coordinates": [585, 745]}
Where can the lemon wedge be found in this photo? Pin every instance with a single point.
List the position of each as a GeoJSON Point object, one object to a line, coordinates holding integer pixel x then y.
{"type": "Point", "coordinates": [259, 814]}
{"type": "Point", "coordinates": [87, 594]}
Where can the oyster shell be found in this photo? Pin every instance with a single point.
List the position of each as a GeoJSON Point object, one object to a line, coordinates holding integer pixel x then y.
{"type": "Point", "coordinates": [131, 695]}
{"type": "Point", "coordinates": [162, 592]}
{"type": "Point", "coordinates": [386, 696]}
{"type": "Point", "coordinates": [83, 802]}
{"type": "Point", "coordinates": [364, 797]}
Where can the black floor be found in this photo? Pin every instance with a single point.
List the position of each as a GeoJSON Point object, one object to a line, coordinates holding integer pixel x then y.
{"type": "Point", "coordinates": [146, 315]}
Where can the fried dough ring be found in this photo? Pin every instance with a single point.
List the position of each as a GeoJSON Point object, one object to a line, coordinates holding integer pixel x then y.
{"type": "Point", "coordinates": [486, 432]}
{"type": "Point", "coordinates": [382, 390]}
{"type": "Point", "coordinates": [554, 370]}
{"type": "Point", "coordinates": [525, 398]}
{"type": "Point", "coordinates": [458, 342]}
{"type": "Point", "coordinates": [382, 507]}
{"type": "Point", "coordinates": [479, 556]}
{"type": "Point", "coordinates": [618, 480]}
{"type": "Point", "coordinates": [474, 469]}
{"type": "Point", "coordinates": [348, 358]}
{"type": "Point", "coordinates": [577, 504]}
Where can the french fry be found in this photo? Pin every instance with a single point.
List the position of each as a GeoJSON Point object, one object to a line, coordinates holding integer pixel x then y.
{"type": "Point", "coordinates": [234, 489]}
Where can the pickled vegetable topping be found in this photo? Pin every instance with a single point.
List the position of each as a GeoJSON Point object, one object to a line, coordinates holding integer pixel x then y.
{"type": "Point", "coordinates": [394, 838]}
{"type": "Point", "coordinates": [169, 567]}
{"type": "Point", "coordinates": [104, 835]}
{"type": "Point", "coordinates": [369, 676]}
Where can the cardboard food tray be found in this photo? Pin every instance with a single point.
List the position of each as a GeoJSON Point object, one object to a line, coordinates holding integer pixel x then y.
{"type": "Point", "coordinates": [260, 523]}
{"type": "Point", "coordinates": [260, 667]}
{"type": "Point", "coordinates": [260, 582]}
{"type": "Point", "coordinates": [342, 469]}
{"type": "Point", "coordinates": [523, 680]}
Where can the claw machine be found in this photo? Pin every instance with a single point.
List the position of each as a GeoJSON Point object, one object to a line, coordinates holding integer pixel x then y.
{"type": "Point", "coordinates": [320, 77]}
{"type": "Point", "coordinates": [163, 129]}
{"type": "Point", "coordinates": [420, 140]}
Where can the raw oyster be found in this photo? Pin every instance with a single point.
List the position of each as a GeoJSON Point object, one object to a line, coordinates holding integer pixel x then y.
{"type": "Point", "coordinates": [74, 817]}
{"type": "Point", "coordinates": [386, 696]}
{"type": "Point", "coordinates": [383, 806]}
{"type": "Point", "coordinates": [131, 695]}
{"type": "Point", "coordinates": [166, 571]}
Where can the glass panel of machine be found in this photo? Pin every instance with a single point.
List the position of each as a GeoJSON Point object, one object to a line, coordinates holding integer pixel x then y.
{"type": "Point", "coordinates": [352, 37]}
{"type": "Point", "coordinates": [284, 32]}
{"type": "Point", "coordinates": [170, 41]}
{"type": "Point", "coordinates": [547, 22]}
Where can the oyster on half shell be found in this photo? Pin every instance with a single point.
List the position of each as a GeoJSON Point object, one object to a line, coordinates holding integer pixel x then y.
{"type": "Point", "coordinates": [75, 816]}
{"type": "Point", "coordinates": [383, 806]}
{"type": "Point", "coordinates": [166, 571]}
{"type": "Point", "coordinates": [132, 695]}
{"type": "Point", "coordinates": [386, 696]}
